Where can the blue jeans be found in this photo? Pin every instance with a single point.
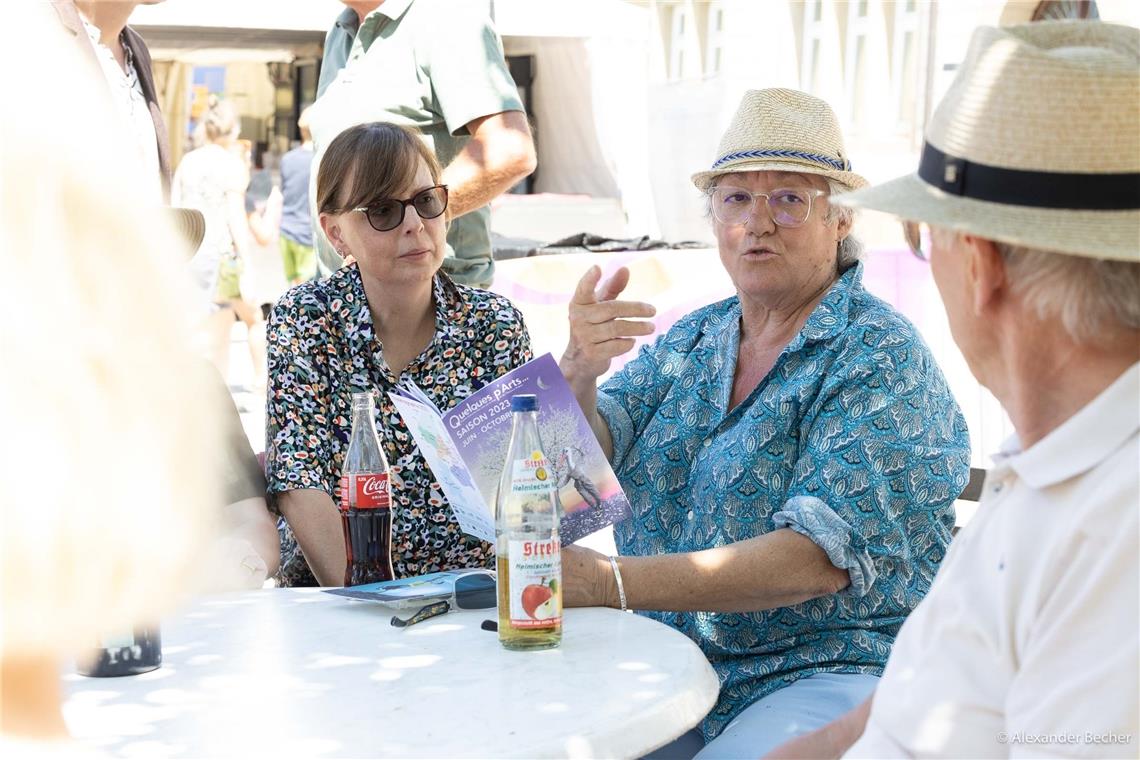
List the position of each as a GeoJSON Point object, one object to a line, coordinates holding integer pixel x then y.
{"type": "Point", "coordinates": [797, 709]}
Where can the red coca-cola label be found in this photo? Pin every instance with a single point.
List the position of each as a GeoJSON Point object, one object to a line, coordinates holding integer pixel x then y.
{"type": "Point", "coordinates": [365, 491]}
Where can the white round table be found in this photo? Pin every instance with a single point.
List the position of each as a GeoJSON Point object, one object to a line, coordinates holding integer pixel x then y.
{"type": "Point", "coordinates": [301, 673]}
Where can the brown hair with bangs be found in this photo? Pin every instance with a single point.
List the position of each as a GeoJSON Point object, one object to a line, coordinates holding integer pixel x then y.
{"type": "Point", "coordinates": [369, 162]}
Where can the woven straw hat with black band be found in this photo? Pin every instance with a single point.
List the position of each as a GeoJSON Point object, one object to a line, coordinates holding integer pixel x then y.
{"type": "Point", "coordinates": [782, 130]}
{"type": "Point", "coordinates": [1037, 143]}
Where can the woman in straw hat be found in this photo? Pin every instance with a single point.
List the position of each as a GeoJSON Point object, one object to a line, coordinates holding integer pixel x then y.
{"type": "Point", "coordinates": [791, 453]}
{"type": "Point", "coordinates": [1028, 640]}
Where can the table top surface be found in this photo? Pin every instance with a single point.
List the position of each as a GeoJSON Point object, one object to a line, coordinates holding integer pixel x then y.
{"type": "Point", "coordinates": [297, 672]}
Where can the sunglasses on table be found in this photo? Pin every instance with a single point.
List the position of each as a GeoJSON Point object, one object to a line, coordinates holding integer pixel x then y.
{"type": "Point", "coordinates": [787, 207]}
{"type": "Point", "coordinates": [388, 213]}
{"type": "Point", "coordinates": [472, 592]}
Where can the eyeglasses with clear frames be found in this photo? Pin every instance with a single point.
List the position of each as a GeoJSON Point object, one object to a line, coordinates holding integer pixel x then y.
{"type": "Point", "coordinates": [787, 207]}
{"type": "Point", "coordinates": [388, 213]}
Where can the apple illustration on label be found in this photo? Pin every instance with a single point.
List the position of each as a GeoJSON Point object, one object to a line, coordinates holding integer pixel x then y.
{"type": "Point", "coordinates": [536, 596]}
{"type": "Point", "coordinates": [546, 610]}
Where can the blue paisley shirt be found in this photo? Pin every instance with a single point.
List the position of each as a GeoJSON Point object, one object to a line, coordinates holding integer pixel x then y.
{"type": "Point", "coordinates": [852, 439]}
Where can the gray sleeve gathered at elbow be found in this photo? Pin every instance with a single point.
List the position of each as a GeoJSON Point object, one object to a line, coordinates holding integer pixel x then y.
{"type": "Point", "coordinates": [811, 517]}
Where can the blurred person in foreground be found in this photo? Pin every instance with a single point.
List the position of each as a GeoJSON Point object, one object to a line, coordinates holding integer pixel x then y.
{"type": "Point", "coordinates": [1028, 643]}
{"type": "Point", "coordinates": [298, 257]}
{"type": "Point", "coordinates": [245, 552]}
{"type": "Point", "coordinates": [436, 66]}
{"type": "Point", "coordinates": [107, 497]}
{"type": "Point", "coordinates": [391, 315]}
{"type": "Point", "coordinates": [791, 454]}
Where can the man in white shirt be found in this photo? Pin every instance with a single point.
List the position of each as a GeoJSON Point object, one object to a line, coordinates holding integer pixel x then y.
{"type": "Point", "coordinates": [103, 37]}
{"type": "Point", "coordinates": [1028, 643]}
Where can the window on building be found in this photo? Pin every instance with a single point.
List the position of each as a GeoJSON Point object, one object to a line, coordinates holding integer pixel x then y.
{"type": "Point", "coordinates": [815, 65]}
{"type": "Point", "coordinates": [855, 65]}
{"type": "Point", "coordinates": [677, 43]}
{"type": "Point", "coordinates": [715, 39]}
{"type": "Point", "coordinates": [810, 74]}
{"type": "Point", "coordinates": [905, 68]}
{"type": "Point", "coordinates": [859, 80]}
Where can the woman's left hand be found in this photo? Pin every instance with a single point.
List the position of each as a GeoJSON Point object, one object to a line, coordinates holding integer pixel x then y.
{"type": "Point", "coordinates": [587, 578]}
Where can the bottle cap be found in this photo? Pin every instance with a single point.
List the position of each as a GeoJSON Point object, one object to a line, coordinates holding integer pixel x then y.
{"type": "Point", "coordinates": [524, 402]}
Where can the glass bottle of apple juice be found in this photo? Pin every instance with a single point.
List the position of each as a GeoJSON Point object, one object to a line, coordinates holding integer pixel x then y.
{"type": "Point", "coordinates": [526, 539]}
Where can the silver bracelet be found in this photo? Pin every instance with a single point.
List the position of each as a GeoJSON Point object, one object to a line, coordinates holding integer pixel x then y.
{"type": "Point", "coordinates": [620, 585]}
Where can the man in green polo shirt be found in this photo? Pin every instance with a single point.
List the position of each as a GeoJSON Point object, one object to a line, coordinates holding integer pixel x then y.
{"type": "Point", "coordinates": [438, 66]}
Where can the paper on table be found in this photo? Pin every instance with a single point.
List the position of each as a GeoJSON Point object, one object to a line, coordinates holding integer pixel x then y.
{"type": "Point", "coordinates": [465, 588]}
{"type": "Point", "coordinates": [452, 474]}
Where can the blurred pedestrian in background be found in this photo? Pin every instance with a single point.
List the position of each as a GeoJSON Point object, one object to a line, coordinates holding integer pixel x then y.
{"type": "Point", "coordinates": [297, 255]}
{"type": "Point", "coordinates": [262, 281]}
{"type": "Point", "coordinates": [213, 179]}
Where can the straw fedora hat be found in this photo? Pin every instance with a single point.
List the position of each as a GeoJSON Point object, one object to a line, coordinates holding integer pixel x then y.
{"type": "Point", "coordinates": [1036, 144]}
{"type": "Point", "coordinates": [782, 131]}
{"type": "Point", "coordinates": [188, 224]}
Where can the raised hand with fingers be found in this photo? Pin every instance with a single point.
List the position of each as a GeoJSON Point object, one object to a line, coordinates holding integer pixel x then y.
{"type": "Point", "coordinates": [601, 327]}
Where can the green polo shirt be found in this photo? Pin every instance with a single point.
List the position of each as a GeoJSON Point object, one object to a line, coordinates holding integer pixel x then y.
{"type": "Point", "coordinates": [430, 64]}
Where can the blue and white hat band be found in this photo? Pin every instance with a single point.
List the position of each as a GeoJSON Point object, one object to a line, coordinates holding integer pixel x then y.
{"type": "Point", "coordinates": [831, 163]}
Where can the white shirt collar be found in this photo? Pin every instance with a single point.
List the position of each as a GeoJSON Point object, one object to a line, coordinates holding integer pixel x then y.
{"type": "Point", "coordinates": [1082, 441]}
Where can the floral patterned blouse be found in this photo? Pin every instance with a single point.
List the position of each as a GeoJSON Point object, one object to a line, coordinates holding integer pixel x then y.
{"type": "Point", "coordinates": [322, 348]}
{"type": "Point", "coordinates": [852, 439]}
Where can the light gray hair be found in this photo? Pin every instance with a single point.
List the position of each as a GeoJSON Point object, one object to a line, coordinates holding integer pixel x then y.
{"type": "Point", "coordinates": [1087, 295]}
{"type": "Point", "coordinates": [850, 249]}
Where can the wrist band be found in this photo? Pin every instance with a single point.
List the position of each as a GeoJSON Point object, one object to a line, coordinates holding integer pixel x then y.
{"type": "Point", "coordinates": [620, 585]}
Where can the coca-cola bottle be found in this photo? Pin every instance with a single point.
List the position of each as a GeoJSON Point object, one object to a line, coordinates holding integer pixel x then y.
{"type": "Point", "coordinates": [366, 500]}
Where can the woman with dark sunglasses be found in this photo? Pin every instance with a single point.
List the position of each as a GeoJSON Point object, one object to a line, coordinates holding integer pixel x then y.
{"type": "Point", "coordinates": [389, 315]}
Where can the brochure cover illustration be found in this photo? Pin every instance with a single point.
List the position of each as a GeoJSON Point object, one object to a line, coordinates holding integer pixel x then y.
{"type": "Point", "coordinates": [466, 446]}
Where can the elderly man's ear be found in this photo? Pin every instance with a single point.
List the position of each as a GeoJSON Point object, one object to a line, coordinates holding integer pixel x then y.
{"type": "Point", "coordinates": [985, 273]}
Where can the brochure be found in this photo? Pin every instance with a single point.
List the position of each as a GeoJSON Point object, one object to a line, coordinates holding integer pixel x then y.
{"type": "Point", "coordinates": [462, 589]}
{"type": "Point", "coordinates": [466, 446]}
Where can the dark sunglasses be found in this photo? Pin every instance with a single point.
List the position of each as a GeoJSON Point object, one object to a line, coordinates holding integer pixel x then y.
{"type": "Point", "coordinates": [388, 213]}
